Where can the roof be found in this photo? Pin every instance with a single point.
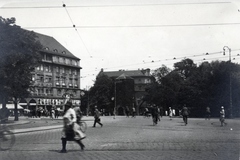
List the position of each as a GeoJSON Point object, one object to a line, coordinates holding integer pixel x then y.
{"type": "Point", "coordinates": [51, 45]}
{"type": "Point", "coordinates": [124, 76]}
{"type": "Point", "coordinates": [130, 73]}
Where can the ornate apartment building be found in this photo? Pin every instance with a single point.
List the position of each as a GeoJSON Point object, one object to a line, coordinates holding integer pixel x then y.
{"type": "Point", "coordinates": [58, 75]}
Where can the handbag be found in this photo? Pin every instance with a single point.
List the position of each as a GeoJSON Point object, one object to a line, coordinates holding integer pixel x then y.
{"type": "Point", "coordinates": [78, 134]}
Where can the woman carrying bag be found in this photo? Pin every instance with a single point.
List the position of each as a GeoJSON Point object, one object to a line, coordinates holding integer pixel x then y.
{"type": "Point", "coordinates": [71, 130]}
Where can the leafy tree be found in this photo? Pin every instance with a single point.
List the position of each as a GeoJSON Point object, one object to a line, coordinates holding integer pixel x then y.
{"type": "Point", "coordinates": [19, 55]}
{"type": "Point", "coordinates": [198, 87]}
{"type": "Point", "coordinates": [102, 92]}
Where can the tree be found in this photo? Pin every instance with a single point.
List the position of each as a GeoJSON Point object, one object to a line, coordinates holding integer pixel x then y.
{"type": "Point", "coordinates": [19, 55]}
{"type": "Point", "coordinates": [102, 92]}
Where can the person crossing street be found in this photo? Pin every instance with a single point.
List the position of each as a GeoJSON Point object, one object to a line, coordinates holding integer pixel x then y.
{"type": "Point", "coordinates": [97, 117]}
{"type": "Point", "coordinates": [70, 130]}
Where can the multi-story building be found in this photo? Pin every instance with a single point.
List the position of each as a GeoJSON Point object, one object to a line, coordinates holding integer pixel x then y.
{"type": "Point", "coordinates": [141, 77]}
{"type": "Point", "coordinates": [57, 75]}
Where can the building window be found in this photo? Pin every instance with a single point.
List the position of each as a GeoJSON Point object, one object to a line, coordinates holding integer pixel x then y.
{"type": "Point", "coordinates": [55, 50]}
{"type": "Point", "coordinates": [57, 69]}
{"type": "Point", "coordinates": [48, 58]}
{"type": "Point", "coordinates": [74, 93]}
{"type": "Point", "coordinates": [67, 61]}
{"type": "Point", "coordinates": [140, 88]}
{"type": "Point", "coordinates": [64, 52]}
{"type": "Point", "coordinates": [47, 68]}
{"type": "Point", "coordinates": [41, 67]}
{"type": "Point", "coordinates": [147, 80]}
{"type": "Point", "coordinates": [75, 72]}
{"type": "Point", "coordinates": [62, 70]}
{"type": "Point", "coordinates": [70, 71]}
{"type": "Point", "coordinates": [59, 92]}
{"type": "Point", "coordinates": [61, 60]}
{"type": "Point", "coordinates": [41, 79]}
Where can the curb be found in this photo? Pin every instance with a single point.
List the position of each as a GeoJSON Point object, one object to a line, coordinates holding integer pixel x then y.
{"type": "Point", "coordinates": [36, 129]}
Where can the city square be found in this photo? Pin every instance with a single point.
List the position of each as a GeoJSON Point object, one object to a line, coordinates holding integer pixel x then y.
{"type": "Point", "coordinates": [129, 138]}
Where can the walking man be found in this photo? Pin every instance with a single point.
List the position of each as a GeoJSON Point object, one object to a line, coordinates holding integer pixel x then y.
{"type": "Point", "coordinates": [208, 113]}
{"type": "Point", "coordinates": [97, 117]}
{"type": "Point", "coordinates": [185, 114]}
{"type": "Point", "coordinates": [127, 111]}
{"type": "Point", "coordinates": [133, 112]}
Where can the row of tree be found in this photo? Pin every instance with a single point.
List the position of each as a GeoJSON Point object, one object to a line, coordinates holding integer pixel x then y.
{"type": "Point", "coordinates": [210, 84]}
{"type": "Point", "coordinates": [19, 54]}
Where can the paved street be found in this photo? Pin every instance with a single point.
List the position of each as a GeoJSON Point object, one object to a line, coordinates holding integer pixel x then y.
{"type": "Point", "coordinates": [131, 138]}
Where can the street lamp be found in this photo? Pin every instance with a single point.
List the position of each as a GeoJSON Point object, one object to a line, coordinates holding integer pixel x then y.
{"type": "Point", "coordinates": [115, 97]}
{"type": "Point", "coordinates": [230, 79]}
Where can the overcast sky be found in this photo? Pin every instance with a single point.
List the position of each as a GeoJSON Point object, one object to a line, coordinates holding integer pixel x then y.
{"type": "Point", "coordinates": [133, 34]}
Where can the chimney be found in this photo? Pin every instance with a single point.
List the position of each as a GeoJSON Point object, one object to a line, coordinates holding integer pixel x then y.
{"type": "Point", "coordinates": [147, 72]}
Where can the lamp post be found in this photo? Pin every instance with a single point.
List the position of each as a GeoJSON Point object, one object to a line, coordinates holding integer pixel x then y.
{"type": "Point", "coordinates": [230, 79]}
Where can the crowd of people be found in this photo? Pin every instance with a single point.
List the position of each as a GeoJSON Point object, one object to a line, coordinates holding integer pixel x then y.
{"type": "Point", "coordinates": [156, 112]}
{"type": "Point", "coordinates": [39, 112]}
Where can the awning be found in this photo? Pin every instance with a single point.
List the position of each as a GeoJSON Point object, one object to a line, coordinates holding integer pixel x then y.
{"type": "Point", "coordinates": [11, 106]}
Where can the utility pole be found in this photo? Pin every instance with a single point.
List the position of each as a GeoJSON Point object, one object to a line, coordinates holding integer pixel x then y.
{"type": "Point", "coordinates": [230, 80]}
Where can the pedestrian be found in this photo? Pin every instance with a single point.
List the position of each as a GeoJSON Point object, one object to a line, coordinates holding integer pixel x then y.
{"type": "Point", "coordinates": [71, 131]}
{"type": "Point", "coordinates": [56, 113]}
{"type": "Point", "coordinates": [146, 112]}
{"type": "Point", "coordinates": [161, 111]}
{"type": "Point", "coordinates": [52, 113]}
{"type": "Point", "coordinates": [133, 112]}
{"type": "Point", "coordinates": [170, 113]}
{"type": "Point", "coordinates": [222, 116]}
{"type": "Point", "coordinates": [208, 113]}
{"type": "Point", "coordinates": [97, 118]}
{"type": "Point", "coordinates": [154, 114]}
{"type": "Point", "coordinates": [185, 114]}
{"type": "Point", "coordinates": [158, 113]}
{"type": "Point", "coordinates": [114, 112]}
{"type": "Point", "coordinates": [127, 111]}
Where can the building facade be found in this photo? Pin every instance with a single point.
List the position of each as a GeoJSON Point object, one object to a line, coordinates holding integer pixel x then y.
{"type": "Point", "coordinates": [57, 77]}
{"type": "Point", "coordinates": [141, 77]}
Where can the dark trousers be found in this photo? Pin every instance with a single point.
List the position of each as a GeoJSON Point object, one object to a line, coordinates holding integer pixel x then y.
{"type": "Point", "coordinates": [64, 144]}
{"type": "Point", "coordinates": [185, 119]}
{"type": "Point", "coordinates": [133, 114]}
{"type": "Point", "coordinates": [97, 120]}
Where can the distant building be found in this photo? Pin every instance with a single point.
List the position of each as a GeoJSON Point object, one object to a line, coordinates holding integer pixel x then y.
{"type": "Point", "coordinates": [58, 74]}
{"type": "Point", "coordinates": [142, 78]}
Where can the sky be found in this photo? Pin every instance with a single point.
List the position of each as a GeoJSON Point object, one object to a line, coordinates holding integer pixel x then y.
{"type": "Point", "coordinates": [133, 34]}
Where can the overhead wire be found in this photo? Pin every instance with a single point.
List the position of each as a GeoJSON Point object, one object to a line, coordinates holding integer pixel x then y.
{"type": "Point", "coordinates": [138, 26]}
{"type": "Point", "coordinates": [116, 5]}
{"type": "Point", "coordinates": [64, 5]}
{"type": "Point", "coordinates": [169, 61]}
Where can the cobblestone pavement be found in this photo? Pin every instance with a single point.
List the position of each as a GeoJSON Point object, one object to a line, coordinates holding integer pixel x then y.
{"type": "Point", "coordinates": [136, 138]}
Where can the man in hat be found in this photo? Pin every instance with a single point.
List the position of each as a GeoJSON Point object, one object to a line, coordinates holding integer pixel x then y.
{"type": "Point", "coordinates": [69, 130]}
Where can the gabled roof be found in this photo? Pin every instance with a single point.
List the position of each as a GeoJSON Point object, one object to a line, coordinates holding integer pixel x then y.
{"type": "Point", "coordinates": [131, 73]}
{"type": "Point", "coordinates": [50, 44]}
